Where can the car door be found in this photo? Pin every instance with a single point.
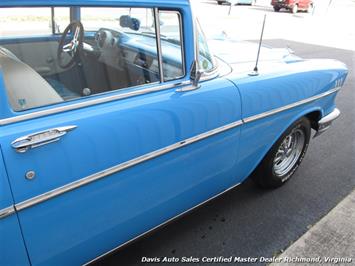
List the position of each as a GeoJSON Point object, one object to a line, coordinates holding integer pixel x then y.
{"type": "Point", "coordinates": [119, 164]}
{"type": "Point", "coordinates": [97, 187]}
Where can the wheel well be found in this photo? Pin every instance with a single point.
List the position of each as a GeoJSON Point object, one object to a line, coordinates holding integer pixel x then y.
{"type": "Point", "coordinates": [314, 117]}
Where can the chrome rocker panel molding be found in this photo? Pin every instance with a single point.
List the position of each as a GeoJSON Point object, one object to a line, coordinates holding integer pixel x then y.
{"type": "Point", "coordinates": [161, 225]}
{"type": "Point", "coordinates": [120, 167]}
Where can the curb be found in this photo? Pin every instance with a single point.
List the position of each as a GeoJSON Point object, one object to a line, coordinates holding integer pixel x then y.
{"type": "Point", "coordinates": [330, 241]}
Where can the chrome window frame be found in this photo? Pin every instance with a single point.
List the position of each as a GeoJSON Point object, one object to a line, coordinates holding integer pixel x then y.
{"type": "Point", "coordinates": [181, 34]}
{"type": "Point", "coordinates": [213, 70]}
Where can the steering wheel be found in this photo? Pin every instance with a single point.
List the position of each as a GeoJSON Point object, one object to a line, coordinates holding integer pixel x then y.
{"type": "Point", "coordinates": [70, 50]}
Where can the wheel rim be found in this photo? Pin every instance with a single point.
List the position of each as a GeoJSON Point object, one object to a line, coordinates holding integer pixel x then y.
{"type": "Point", "coordinates": [289, 152]}
{"type": "Point", "coordinates": [294, 9]}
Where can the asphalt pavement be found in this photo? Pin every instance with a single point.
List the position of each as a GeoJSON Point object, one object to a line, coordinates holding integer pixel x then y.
{"type": "Point", "coordinates": [252, 222]}
{"type": "Point", "coordinates": [331, 241]}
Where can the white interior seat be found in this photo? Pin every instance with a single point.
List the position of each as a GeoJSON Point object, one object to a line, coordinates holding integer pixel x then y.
{"type": "Point", "coordinates": [25, 87]}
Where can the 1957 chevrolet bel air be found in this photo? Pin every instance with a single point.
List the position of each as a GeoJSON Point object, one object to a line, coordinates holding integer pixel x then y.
{"type": "Point", "coordinates": [115, 118]}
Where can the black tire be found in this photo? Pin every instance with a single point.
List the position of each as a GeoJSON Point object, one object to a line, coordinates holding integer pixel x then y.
{"type": "Point", "coordinates": [265, 174]}
{"type": "Point", "coordinates": [219, 2]}
{"type": "Point", "coordinates": [276, 9]}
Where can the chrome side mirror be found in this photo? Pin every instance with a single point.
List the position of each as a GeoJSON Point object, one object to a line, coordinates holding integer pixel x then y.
{"type": "Point", "coordinates": [195, 74]}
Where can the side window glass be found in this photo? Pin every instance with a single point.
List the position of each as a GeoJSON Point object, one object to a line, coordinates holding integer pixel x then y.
{"type": "Point", "coordinates": [19, 22]}
{"type": "Point", "coordinates": [23, 22]}
{"type": "Point", "coordinates": [171, 44]}
{"type": "Point", "coordinates": [129, 20]}
{"type": "Point", "coordinates": [112, 49]}
{"type": "Point", "coordinates": [61, 19]}
{"type": "Point", "coordinates": [205, 58]}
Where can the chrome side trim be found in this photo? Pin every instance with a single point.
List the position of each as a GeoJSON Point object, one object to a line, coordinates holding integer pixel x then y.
{"type": "Point", "coordinates": [162, 224]}
{"type": "Point", "coordinates": [91, 102]}
{"type": "Point", "coordinates": [7, 212]}
{"type": "Point", "coordinates": [120, 167]}
{"type": "Point", "coordinates": [289, 106]}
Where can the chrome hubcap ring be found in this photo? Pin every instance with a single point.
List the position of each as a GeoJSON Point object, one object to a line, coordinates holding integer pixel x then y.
{"type": "Point", "coordinates": [289, 152]}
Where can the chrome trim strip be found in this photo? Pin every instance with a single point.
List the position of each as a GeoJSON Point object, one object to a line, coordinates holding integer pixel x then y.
{"type": "Point", "coordinates": [289, 106]}
{"type": "Point", "coordinates": [7, 212]}
{"type": "Point", "coordinates": [162, 224]}
{"type": "Point", "coordinates": [91, 102]}
{"type": "Point", "coordinates": [120, 167]}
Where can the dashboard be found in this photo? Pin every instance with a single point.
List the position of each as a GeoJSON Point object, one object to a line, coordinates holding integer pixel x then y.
{"type": "Point", "coordinates": [133, 50]}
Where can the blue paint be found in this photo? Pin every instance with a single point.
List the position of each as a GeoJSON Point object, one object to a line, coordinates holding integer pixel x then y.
{"type": "Point", "coordinates": [12, 248]}
{"type": "Point", "coordinates": [110, 134]}
{"type": "Point", "coordinates": [82, 224]}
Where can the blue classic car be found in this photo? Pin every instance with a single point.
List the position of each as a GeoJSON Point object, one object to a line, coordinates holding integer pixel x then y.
{"type": "Point", "coordinates": [116, 118]}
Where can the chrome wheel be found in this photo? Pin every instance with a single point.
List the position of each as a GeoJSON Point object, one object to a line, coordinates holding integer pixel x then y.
{"type": "Point", "coordinates": [289, 152]}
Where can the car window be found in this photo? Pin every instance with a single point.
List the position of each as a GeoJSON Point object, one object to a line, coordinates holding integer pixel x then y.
{"type": "Point", "coordinates": [21, 22]}
{"type": "Point", "coordinates": [171, 44]}
{"type": "Point", "coordinates": [205, 58]}
{"type": "Point", "coordinates": [61, 18]}
{"type": "Point", "coordinates": [94, 18]}
{"type": "Point", "coordinates": [118, 50]}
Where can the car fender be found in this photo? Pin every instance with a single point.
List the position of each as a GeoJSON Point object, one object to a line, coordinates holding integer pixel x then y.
{"type": "Point", "coordinates": [272, 101]}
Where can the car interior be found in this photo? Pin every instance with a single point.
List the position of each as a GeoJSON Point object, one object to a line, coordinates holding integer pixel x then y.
{"type": "Point", "coordinates": [78, 62]}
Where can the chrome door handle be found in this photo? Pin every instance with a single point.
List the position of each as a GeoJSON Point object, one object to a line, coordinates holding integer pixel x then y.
{"type": "Point", "coordinates": [37, 139]}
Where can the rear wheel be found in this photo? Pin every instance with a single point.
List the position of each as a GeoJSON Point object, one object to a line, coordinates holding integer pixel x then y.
{"type": "Point", "coordinates": [294, 9]}
{"type": "Point", "coordinates": [276, 9]}
{"type": "Point", "coordinates": [283, 159]}
{"type": "Point", "coordinates": [219, 2]}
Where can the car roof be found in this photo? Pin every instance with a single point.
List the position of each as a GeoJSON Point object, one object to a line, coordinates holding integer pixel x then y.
{"type": "Point", "coordinates": [160, 3]}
